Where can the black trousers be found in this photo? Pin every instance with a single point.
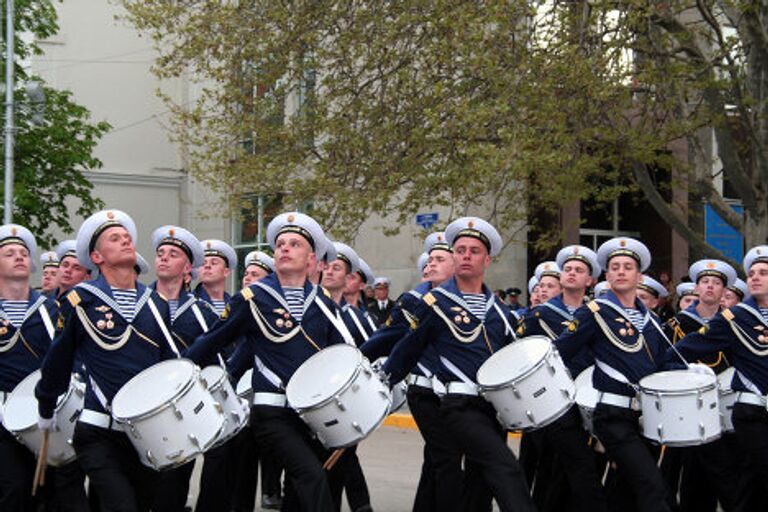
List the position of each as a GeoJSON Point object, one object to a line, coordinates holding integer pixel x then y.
{"type": "Point", "coordinates": [217, 477]}
{"type": "Point", "coordinates": [472, 424]}
{"type": "Point", "coordinates": [173, 488]}
{"type": "Point", "coordinates": [619, 431]}
{"type": "Point", "coordinates": [751, 424]}
{"type": "Point", "coordinates": [122, 482]}
{"type": "Point", "coordinates": [575, 460]}
{"type": "Point", "coordinates": [280, 432]}
{"type": "Point", "coordinates": [17, 468]}
{"type": "Point", "coordinates": [68, 488]}
{"type": "Point", "coordinates": [348, 475]}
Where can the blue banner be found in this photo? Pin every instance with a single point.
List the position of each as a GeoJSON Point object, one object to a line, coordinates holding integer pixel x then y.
{"type": "Point", "coordinates": [720, 235]}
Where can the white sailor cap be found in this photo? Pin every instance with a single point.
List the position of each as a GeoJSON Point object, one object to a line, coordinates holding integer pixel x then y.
{"type": "Point", "coordinates": [601, 288]}
{"type": "Point", "coordinates": [326, 251]}
{"type": "Point", "coordinates": [653, 287]}
{"type": "Point", "coordinates": [15, 234]}
{"type": "Point", "coordinates": [684, 289]}
{"type": "Point", "coordinates": [624, 246]}
{"type": "Point", "coordinates": [94, 226]}
{"type": "Point", "coordinates": [579, 253]}
{"type": "Point", "coordinates": [422, 262]}
{"type": "Point", "coordinates": [757, 254]}
{"type": "Point", "coordinates": [547, 268]}
{"type": "Point", "coordinates": [66, 249]}
{"type": "Point", "coordinates": [194, 273]}
{"type": "Point", "coordinates": [435, 241]}
{"type": "Point", "coordinates": [365, 272]}
{"type": "Point", "coordinates": [740, 288]}
{"type": "Point", "coordinates": [381, 281]}
{"type": "Point", "coordinates": [348, 255]}
{"type": "Point", "coordinates": [715, 268]}
{"type": "Point", "coordinates": [532, 283]}
{"type": "Point", "coordinates": [260, 259]}
{"type": "Point", "coordinates": [301, 224]}
{"type": "Point", "coordinates": [49, 259]}
{"type": "Point", "coordinates": [181, 238]}
{"type": "Point", "coordinates": [221, 249]}
{"type": "Point", "coordinates": [142, 267]}
{"type": "Point", "coordinates": [476, 228]}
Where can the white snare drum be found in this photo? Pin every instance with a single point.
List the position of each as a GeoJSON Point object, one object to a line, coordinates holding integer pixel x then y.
{"type": "Point", "coordinates": [236, 410]}
{"type": "Point", "coordinates": [244, 387]}
{"type": "Point", "coordinates": [339, 396]}
{"type": "Point", "coordinates": [727, 398]}
{"type": "Point", "coordinates": [399, 390]}
{"type": "Point", "coordinates": [20, 418]}
{"type": "Point", "coordinates": [680, 408]}
{"type": "Point", "coordinates": [527, 383]}
{"type": "Point", "coordinates": [586, 398]}
{"type": "Point", "coordinates": [169, 415]}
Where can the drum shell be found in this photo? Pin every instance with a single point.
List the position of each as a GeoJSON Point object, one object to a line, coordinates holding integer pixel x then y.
{"type": "Point", "coordinates": [586, 398]}
{"type": "Point", "coordinates": [536, 398]}
{"type": "Point", "coordinates": [245, 387]}
{"type": "Point", "coordinates": [727, 398]}
{"type": "Point", "coordinates": [68, 409]}
{"type": "Point", "coordinates": [353, 412]}
{"type": "Point", "coordinates": [685, 417]}
{"type": "Point", "coordinates": [236, 410]}
{"type": "Point", "coordinates": [399, 391]}
{"type": "Point", "coordinates": [177, 431]}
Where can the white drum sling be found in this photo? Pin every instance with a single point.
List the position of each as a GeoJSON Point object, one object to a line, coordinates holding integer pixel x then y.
{"type": "Point", "coordinates": [339, 396]}
{"type": "Point", "coordinates": [680, 408]}
{"type": "Point", "coordinates": [168, 414]}
{"type": "Point", "coordinates": [20, 418]}
{"type": "Point", "coordinates": [527, 383]}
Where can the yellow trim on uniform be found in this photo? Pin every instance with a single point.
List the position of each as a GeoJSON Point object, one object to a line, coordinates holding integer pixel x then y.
{"type": "Point", "coordinates": [247, 293]}
{"type": "Point", "coordinates": [430, 299]}
{"type": "Point", "coordinates": [406, 421]}
{"type": "Point", "coordinates": [73, 298]}
{"type": "Point", "coordinates": [593, 306]}
{"type": "Point", "coordinates": [728, 315]}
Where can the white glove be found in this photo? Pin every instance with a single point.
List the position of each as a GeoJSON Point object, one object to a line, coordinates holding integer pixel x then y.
{"type": "Point", "coordinates": [46, 423]}
{"type": "Point", "coordinates": [700, 368]}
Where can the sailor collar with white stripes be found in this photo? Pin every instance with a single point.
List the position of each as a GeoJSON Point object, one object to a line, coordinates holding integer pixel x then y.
{"type": "Point", "coordinates": [271, 286]}
{"type": "Point", "coordinates": [462, 311]}
{"type": "Point", "coordinates": [627, 328]}
{"type": "Point", "coordinates": [103, 291]}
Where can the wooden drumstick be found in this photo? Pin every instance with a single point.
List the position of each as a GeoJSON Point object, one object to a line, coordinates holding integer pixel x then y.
{"type": "Point", "coordinates": [42, 462]}
{"type": "Point", "coordinates": [333, 459]}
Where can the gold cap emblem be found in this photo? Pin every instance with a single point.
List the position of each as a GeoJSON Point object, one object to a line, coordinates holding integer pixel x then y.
{"type": "Point", "coordinates": [471, 224]}
{"type": "Point", "coordinates": [622, 243]}
{"type": "Point", "coordinates": [711, 265]}
{"type": "Point", "coordinates": [291, 218]}
{"type": "Point", "coordinates": [171, 232]}
{"type": "Point", "coordinates": [208, 245]}
{"type": "Point", "coordinates": [110, 215]}
{"type": "Point", "coordinates": [13, 231]}
{"type": "Point", "coordinates": [576, 250]}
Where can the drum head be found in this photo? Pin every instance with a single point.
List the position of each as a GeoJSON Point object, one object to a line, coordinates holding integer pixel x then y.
{"type": "Point", "coordinates": [322, 376]}
{"type": "Point", "coordinates": [20, 411]}
{"type": "Point", "coordinates": [586, 394]}
{"type": "Point", "coordinates": [725, 378]}
{"type": "Point", "coordinates": [679, 380]}
{"type": "Point", "coordinates": [212, 375]}
{"type": "Point", "coordinates": [513, 361]}
{"type": "Point", "coordinates": [152, 388]}
{"type": "Point", "coordinates": [244, 385]}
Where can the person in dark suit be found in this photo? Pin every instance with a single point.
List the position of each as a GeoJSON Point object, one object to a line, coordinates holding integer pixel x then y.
{"type": "Point", "coordinates": [381, 307]}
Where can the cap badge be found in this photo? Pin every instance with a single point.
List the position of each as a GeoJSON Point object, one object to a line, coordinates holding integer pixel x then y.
{"type": "Point", "coordinates": [576, 250]}
{"type": "Point", "coordinates": [110, 215]}
{"type": "Point", "coordinates": [622, 243]}
{"type": "Point", "coordinates": [546, 266]}
{"type": "Point", "coordinates": [759, 251]}
{"type": "Point", "coordinates": [711, 265]}
{"type": "Point", "coordinates": [13, 231]}
{"type": "Point", "coordinates": [208, 245]}
{"type": "Point", "coordinates": [171, 232]}
{"type": "Point", "coordinates": [291, 218]}
{"type": "Point", "coordinates": [439, 238]}
{"type": "Point", "coordinates": [471, 224]}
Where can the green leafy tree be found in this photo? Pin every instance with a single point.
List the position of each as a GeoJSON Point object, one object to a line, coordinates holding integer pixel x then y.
{"type": "Point", "coordinates": [388, 107]}
{"type": "Point", "coordinates": [51, 153]}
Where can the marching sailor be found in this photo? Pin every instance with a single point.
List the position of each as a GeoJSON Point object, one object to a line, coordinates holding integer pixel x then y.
{"type": "Point", "coordinates": [71, 271]}
{"type": "Point", "coordinates": [26, 330]}
{"type": "Point", "coordinates": [50, 263]}
{"type": "Point", "coordinates": [220, 259]}
{"type": "Point", "coordinates": [466, 324]}
{"type": "Point", "coordinates": [734, 294]}
{"type": "Point", "coordinates": [287, 320]}
{"type": "Point", "coordinates": [627, 344]}
{"type": "Point", "coordinates": [117, 327]}
{"type": "Point", "coordinates": [650, 292]}
{"type": "Point", "coordinates": [686, 295]}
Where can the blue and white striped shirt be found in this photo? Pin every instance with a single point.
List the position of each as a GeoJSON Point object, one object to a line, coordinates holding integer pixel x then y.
{"type": "Point", "coordinates": [218, 306]}
{"type": "Point", "coordinates": [16, 310]}
{"type": "Point", "coordinates": [636, 317]}
{"type": "Point", "coordinates": [764, 312]}
{"type": "Point", "coordinates": [476, 304]}
{"type": "Point", "coordinates": [294, 296]}
{"type": "Point", "coordinates": [173, 305]}
{"type": "Point", "coordinates": [126, 299]}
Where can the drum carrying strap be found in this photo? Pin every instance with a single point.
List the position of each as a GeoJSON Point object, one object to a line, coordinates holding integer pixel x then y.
{"type": "Point", "coordinates": [358, 324]}
{"type": "Point", "coordinates": [370, 322]}
{"type": "Point", "coordinates": [267, 373]}
{"type": "Point", "coordinates": [204, 326]}
{"type": "Point", "coordinates": [504, 319]}
{"type": "Point", "coordinates": [614, 373]}
{"type": "Point", "coordinates": [47, 321]}
{"type": "Point", "coordinates": [661, 331]}
{"type": "Point", "coordinates": [163, 327]}
{"type": "Point", "coordinates": [100, 396]}
{"type": "Point", "coordinates": [749, 384]}
{"type": "Point", "coordinates": [336, 321]}
{"type": "Point", "coordinates": [455, 370]}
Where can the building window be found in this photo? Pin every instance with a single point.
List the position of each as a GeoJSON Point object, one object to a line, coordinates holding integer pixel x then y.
{"type": "Point", "coordinates": [250, 229]}
{"type": "Point", "coordinates": [603, 223]}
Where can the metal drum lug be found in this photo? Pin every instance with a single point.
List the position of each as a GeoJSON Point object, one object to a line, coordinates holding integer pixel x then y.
{"type": "Point", "coordinates": [177, 411]}
{"type": "Point", "coordinates": [658, 404]}
{"type": "Point", "coordinates": [699, 400]}
{"type": "Point", "coordinates": [702, 431]}
{"type": "Point", "coordinates": [566, 393]}
{"type": "Point", "coordinates": [217, 406]}
{"type": "Point", "coordinates": [516, 392]}
{"type": "Point", "coordinates": [225, 393]}
{"type": "Point", "coordinates": [551, 368]}
{"type": "Point", "coordinates": [175, 455]}
{"type": "Point", "coordinates": [660, 431]}
{"type": "Point", "coordinates": [340, 404]}
{"type": "Point", "coordinates": [151, 458]}
{"type": "Point", "coordinates": [356, 426]}
{"type": "Point", "coordinates": [193, 440]}
{"type": "Point", "coordinates": [529, 414]}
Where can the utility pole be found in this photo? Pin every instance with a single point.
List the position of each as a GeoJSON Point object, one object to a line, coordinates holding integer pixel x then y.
{"type": "Point", "coordinates": [9, 128]}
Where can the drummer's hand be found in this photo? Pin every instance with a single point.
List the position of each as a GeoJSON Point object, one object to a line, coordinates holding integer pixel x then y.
{"type": "Point", "coordinates": [46, 423]}
{"type": "Point", "coordinates": [700, 368]}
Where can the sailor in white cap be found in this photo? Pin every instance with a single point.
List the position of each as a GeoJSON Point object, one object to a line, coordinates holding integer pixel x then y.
{"type": "Point", "coordinates": [220, 260]}
{"type": "Point", "coordinates": [26, 330]}
{"type": "Point", "coordinates": [686, 295]}
{"type": "Point", "coordinates": [465, 324]}
{"type": "Point", "coordinates": [117, 327]}
{"type": "Point", "coordinates": [601, 288]}
{"type": "Point", "coordinates": [533, 296]}
{"type": "Point", "coordinates": [258, 265]}
{"type": "Point", "coordinates": [50, 266]}
{"type": "Point", "coordinates": [627, 344]}
{"type": "Point", "coordinates": [421, 266]}
{"type": "Point", "coordinates": [650, 291]}
{"type": "Point", "coordinates": [575, 267]}
{"type": "Point", "coordinates": [71, 271]}
{"type": "Point", "coordinates": [734, 294]}
{"type": "Point", "coordinates": [547, 274]}
{"type": "Point", "coordinates": [286, 319]}
{"type": "Point", "coordinates": [142, 267]}
{"type": "Point", "coordinates": [742, 333]}
{"type": "Point", "coordinates": [326, 253]}
{"type": "Point", "coordinates": [382, 304]}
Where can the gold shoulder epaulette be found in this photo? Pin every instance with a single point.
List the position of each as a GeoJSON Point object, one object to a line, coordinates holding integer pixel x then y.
{"type": "Point", "coordinates": [326, 292]}
{"type": "Point", "coordinates": [247, 293]}
{"type": "Point", "coordinates": [73, 298]}
{"type": "Point", "coordinates": [429, 299]}
{"type": "Point", "coordinates": [593, 306]}
{"type": "Point", "coordinates": [728, 315]}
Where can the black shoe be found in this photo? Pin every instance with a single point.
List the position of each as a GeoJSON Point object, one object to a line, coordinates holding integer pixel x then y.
{"type": "Point", "coordinates": [271, 502]}
{"type": "Point", "coordinates": [364, 508]}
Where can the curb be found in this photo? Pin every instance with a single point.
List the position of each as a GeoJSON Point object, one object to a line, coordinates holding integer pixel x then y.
{"type": "Point", "coordinates": [406, 421]}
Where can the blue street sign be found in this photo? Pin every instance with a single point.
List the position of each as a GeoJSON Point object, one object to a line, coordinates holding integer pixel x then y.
{"type": "Point", "coordinates": [427, 220]}
{"type": "Point", "coordinates": [720, 235]}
